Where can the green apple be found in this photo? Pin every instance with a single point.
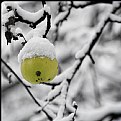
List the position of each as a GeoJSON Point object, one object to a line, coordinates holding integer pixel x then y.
{"type": "Point", "coordinates": [39, 69]}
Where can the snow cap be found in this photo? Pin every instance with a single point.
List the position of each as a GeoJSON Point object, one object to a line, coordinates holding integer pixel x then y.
{"type": "Point", "coordinates": [37, 46]}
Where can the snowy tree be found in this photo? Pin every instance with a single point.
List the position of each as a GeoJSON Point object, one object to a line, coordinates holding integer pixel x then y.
{"type": "Point", "coordinates": [84, 38]}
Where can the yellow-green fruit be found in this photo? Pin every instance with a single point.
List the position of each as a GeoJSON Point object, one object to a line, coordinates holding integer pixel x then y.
{"type": "Point", "coordinates": [39, 69]}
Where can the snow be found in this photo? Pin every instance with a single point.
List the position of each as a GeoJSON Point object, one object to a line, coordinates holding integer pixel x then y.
{"type": "Point", "coordinates": [26, 15]}
{"type": "Point", "coordinates": [60, 17]}
{"type": "Point", "coordinates": [37, 46]}
{"type": "Point", "coordinates": [60, 112]}
{"type": "Point", "coordinates": [115, 17]}
{"type": "Point", "coordinates": [81, 53]}
{"type": "Point", "coordinates": [38, 31]}
{"type": "Point", "coordinates": [77, 17]}
{"type": "Point", "coordinates": [3, 8]}
{"type": "Point", "coordinates": [68, 118]}
{"type": "Point", "coordinates": [62, 101]}
{"type": "Point", "coordinates": [54, 92]}
{"type": "Point", "coordinates": [74, 103]}
{"type": "Point", "coordinates": [47, 8]}
{"type": "Point", "coordinates": [26, 83]}
{"type": "Point", "coordinates": [116, 3]}
{"type": "Point", "coordinates": [18, 30]}
{"type": "Point", "coordinates": [6, 16]}
{"type": "Point", "coordinates": [58, 79]}
{"type": "Point", "coordinates": [67, 74]}
{"type": "Point", "coordinates": [9, 74]}
{"type": "Point", "coordinates": [78, 3]}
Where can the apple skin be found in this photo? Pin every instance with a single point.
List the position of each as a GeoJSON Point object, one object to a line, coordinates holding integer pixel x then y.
{"type": "Point", "coordinates": [39, 69]}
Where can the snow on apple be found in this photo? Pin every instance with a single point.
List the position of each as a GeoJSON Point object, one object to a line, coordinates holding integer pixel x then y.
{"type": "Point", "coordinates": [37, 46]}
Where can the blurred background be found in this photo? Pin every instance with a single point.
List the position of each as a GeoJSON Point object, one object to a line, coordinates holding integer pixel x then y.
{"type": "Point", "coordinates": [93, 85]}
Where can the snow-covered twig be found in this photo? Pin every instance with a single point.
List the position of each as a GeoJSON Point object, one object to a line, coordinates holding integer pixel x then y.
{"type": "Point", "coordinates": [63, 100]}
{"type": "Point", "coordinates": [53, 94]}
{"type": "Point", "coordinates": [70, 117]}
{"type": "Point", "coordinates": [18, 33]}
{"type": "Point", "coordinates": [61, 110]}
{"type": "Point", "coordinates": [75, 106]}
{"type": "Point", "coordinates": [59, 20]}
{"type": "Point", "coordinates": [60, 78]}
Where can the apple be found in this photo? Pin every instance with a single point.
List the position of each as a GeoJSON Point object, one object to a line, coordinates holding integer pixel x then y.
{"type": "Point", "coordinates": [39, 69]}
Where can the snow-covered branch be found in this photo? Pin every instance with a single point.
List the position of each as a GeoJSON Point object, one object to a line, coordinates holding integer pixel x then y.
{"type": "Point", "coordinates": [16, 14]}
{"type": "Point", "coordinates": [55, 92]}
{"type": "Point", "coordinates": [60, 114]}
{"type": "Point", "coordinates": [86, 50]}
{"type": "Point", "coordinates": [62, 16]}
{"type": "Point", "coordinates": [27, 17]}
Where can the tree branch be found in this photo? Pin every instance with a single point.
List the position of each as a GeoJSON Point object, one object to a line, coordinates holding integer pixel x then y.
{"type": "Point", "coordinates": [27, 17]}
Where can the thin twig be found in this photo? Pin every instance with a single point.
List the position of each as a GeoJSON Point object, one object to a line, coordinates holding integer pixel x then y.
{"type": "Point", "coordinates": [26, 87]}
{"type": "Point", "coordinates": [48, 24]}
{"type": "Point", "coordinates": [60, 23]}
{"type": "Point", "coordinates": [75, 106]}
